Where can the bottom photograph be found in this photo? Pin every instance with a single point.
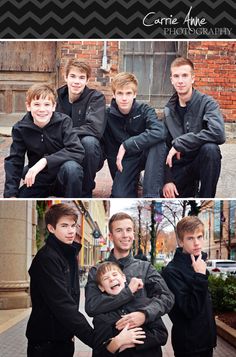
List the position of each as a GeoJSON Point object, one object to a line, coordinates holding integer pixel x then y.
{"type": "Point", "coordinates": [123, 277]}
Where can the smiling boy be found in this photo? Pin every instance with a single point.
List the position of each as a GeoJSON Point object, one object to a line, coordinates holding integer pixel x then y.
{"type": "Point", "coordinates": [86, 107]}
{"type": "Point", "coordinates": [194, 330]}
{"type": "Point", "coordinates": [53, 149]}
{"type": "Point", "coordinates": [55, 292]}
{"type": "Point", "coordinates": [134, 141]}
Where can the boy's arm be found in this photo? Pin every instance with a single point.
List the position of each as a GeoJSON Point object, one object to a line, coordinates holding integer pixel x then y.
{"type": "Point", "coordinates": [71, 147]}
{"type": "Point", "coordinates": [33, 172]}
{"type": "Point", "coordinates": [153, 133]}
{"type": "Point", "coordinates": [95, 119]}
{"type": "Point", "coordinates": [212, 133]}
{"type": "Point", "coordinates": [14, 164]}
{"type": "Point", "coordinates": [97, 303]}
{"type": "Point", "coordinates": [189, 295]}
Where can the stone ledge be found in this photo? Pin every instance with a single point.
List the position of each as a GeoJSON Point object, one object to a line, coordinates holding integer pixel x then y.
{"type": "Point", "coordinates": [226, 332]}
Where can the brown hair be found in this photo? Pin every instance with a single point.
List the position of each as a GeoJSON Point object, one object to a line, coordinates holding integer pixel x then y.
{"type": "Point", "coordinates": [82, 66]}
{"type": "Point", "coordinates": [55, 212]}
{"type": "Point", "coordinates": [41, 90]}
{"type": "Point", "coordinates": [122, 79]}
{"type": "Point", "coordinates": [118, 217]}
{"type": "Point", "coordinates": [182, 61]}
{"type": "Point", "coordinates": [188, 224]}
{"type": "Point", "coordinates": [105, 267]}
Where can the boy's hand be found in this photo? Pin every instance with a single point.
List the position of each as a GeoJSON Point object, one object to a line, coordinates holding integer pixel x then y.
{"type": "Point", "coordinates": [119, 158]}
{"type": "Point", "coordinates": [199, 265]}
{"type": "Point", "coordinates": [135, 284]}
{"type": "Point", "coordinates": [170, 156]}
{"type": "Point", "coordinates": [170, 190]}
{"type": "Point", "coordinates": [33, 171]}
{"type": "Point", "coordinates": [134, 319]}
{"type": "Point", "coordinates": [126, 338]}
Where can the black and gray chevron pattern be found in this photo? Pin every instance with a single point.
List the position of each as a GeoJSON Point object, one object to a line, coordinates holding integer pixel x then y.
{"type": "Point", "coordinates": [111, 19]}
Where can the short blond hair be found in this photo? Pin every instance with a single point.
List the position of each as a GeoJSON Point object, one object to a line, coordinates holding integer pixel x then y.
{"type": "Point", "coordinates": [188, 225]}
{"type": "Point", "coordinates": [41, 90]}
{"type": "Point", "coordinates": [182, 61]}
{"type": "Point", "coordinates": [123, 79]}
{"type": "Point", "coordinates": [82, 67]}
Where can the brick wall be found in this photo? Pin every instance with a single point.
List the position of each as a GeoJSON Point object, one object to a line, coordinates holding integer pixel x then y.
{"type": "Point", "coordinates": [215, 71]}
{"type": "Point", "coordinates": [215, 68]}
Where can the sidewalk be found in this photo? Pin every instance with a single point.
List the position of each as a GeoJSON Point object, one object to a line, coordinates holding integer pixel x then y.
{"type": "Point", "coordinates": [13, 342]}
{"type": "Point", "coordinates": [226, 186]}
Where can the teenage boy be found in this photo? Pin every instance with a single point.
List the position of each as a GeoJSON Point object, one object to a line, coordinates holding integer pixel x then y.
{"type": "Point", "coordinates": [193, 331]}
{"type": "Point", "coordinates": [53, 149]}
{"type": "Point", "coordinates": [129, 342]}
{"type": "Point", "coordinates": [195, 129]}
{"type": "Point", "coordinates": [55, 291]}
{"type": "Point", "coordinates": [121, 233]}
{"type": "Point", "coordinates": [134, 140]}
{"type": "Point", "coordinates": [86, 107]}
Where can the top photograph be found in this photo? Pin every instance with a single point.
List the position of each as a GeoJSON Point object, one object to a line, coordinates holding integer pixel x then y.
{"type": "Point", "coordinates": [118, 119]}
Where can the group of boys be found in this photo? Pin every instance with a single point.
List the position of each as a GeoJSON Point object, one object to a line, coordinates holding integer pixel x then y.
{"type": "Point", "coordinates": [126, 296]}
{"type": "Point", "coordinates": [67, 139]}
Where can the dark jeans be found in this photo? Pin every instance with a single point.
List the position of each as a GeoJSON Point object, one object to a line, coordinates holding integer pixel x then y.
{"type": "Point", "coordinates": [51, 349]}
{"type": "Point", "coordinates": [68, 183]}
{"type": "Point", "coordinates": [93, 161]}
{"type": "Point", "coordinates": [208, 353]}
{"type": "Point", "coordinates": [151, 160]}
{"type": "Point", "coordinates": [204, 168]}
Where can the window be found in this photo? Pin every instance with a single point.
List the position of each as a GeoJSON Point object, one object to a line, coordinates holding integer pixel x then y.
{"type": "Point", "coordinates": [150, 62]}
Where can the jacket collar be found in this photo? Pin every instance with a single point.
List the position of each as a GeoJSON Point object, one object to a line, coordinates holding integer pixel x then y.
{"type": "Point", "coordinates": [122, 262]}
{"type": "Point", "coordinates": [68, 250]}
{"type": "Point", "coordinates": [173, 100]}
{"type": "Point", "coordinates": [27, 121]}
{"type": "Point", "coordinates": [114, 110]}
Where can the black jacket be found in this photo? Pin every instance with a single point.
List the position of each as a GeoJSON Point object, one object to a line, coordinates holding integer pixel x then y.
{"type": "Point", "coordinates": [192, 316]}
{"type": "Point", "coordinates": [137, 131]}
{"type": "Point", "coordinates": [104, 328]}
{"type": "Point", "coordinates": [87, 113]}
{"type": "Point", "coordinates": [162, 301]}
{"type": "Point", "coordinates": [55, 293]}
{"type": "Point", "coordinates": [57, 142]}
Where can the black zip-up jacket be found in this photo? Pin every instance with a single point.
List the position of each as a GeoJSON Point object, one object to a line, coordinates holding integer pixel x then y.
{"type": "Point", "coordinates": [194, 327]}
{"type": "Point", "coordinates": [55, 293]}
{"type": "Point", "coordinates": [203, 123]}
{"type": "Point", "coordinates": [137, 131]}
{"type": "Point", "coordinates": [104, 329]}
{"type": "Point", "coordinates": [57, 142]}
{"type": "Point", "coordinates": [88, 112]}
{"type": "Point", "coordinates": [162, 301]}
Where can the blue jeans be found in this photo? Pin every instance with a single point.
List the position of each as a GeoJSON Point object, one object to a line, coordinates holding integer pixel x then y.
{"type": "Point", "coordinates": [68, 183]}
{"type": "Point", "coordinates": [93, 161]}
{"type": "Point", "coordinates": [204, 168]}
{"type": "Point", "coordinates": [151, 160]}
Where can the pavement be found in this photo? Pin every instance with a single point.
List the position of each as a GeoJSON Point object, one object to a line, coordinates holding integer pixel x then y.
{"type": "Point", "coordinates": [14, 343]}
{"type": "Point", "coordinates": [226, 185]}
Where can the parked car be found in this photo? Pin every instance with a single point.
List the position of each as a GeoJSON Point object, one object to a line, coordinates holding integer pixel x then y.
{"type": "Point", "coordinates": [221, 266]}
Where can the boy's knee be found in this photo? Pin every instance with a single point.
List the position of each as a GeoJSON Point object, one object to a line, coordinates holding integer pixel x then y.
{"type": "Point", "coordinates": [90, 144]}
{"type": "Point", "coordinates": [72, 169]}
{"type": "Point", "coordinates": [210, 150]}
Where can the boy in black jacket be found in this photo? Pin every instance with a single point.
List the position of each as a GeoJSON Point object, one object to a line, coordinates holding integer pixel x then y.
{"type": "Point", "coordinates": [193, 331]}
{"type": "Point", "coordinates": [134, 140]}
{"type": "Point", "coordinates": [55, 291]}
{"type": "Point", "coordinates": [129, 341]}
{"type": "Point", "coordinates": [53, 149]}
{"type": "Point", "coordinates": [86, 107]}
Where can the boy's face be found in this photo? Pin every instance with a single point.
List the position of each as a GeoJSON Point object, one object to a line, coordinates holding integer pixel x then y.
{"type": "Point", "coordinates": [41, 110]}
{"type": "Point", "coordinates": [124, 97]}
{"type": "Point", "coordinates": [112, 282]}
{"type": "Point", "coordinates": [76, 82]}
{"type": "Point", "coordinates": [65, 229]}
{"type": "Point", "coordinates": [182, 78]}
{"type": "Point", "coordinates": [192, 242]}
{"type": "Point", "coordinates": [122, 235]}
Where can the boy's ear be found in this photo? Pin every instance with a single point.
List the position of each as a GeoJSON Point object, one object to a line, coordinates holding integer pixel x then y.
{"type": "Point", "coordinates": [50, 228]}
{"type": "Point", "coordinates": [101, 288]}
{"type": "Point", "coordinates": [54, 107]}
{"type": "Point", "coordinates": [27, 106]}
